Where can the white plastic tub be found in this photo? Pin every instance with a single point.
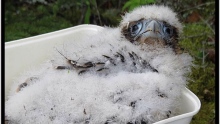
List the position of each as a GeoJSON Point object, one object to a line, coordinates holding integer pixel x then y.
{"type": "Point", "coordinates": [25, 53]}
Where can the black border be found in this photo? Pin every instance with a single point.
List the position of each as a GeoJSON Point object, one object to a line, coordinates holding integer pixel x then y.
{"type": "Point", "coordinates": [217, 62]}
{"type": "Point", "coordinates": [2, 62]}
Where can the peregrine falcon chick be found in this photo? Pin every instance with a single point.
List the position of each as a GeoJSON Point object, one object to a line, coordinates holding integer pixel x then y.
{"type": "Point", "coordinates": [131, 74]}
{"type": "Point", "coordinates": [152, 26]}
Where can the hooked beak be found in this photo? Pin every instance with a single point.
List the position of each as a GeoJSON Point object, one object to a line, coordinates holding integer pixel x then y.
{"type": "Point", "coordinates": [152, 29]}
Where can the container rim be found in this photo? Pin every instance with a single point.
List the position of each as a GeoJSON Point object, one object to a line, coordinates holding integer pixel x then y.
{"type": "Point", "coordinates": [197, 105]}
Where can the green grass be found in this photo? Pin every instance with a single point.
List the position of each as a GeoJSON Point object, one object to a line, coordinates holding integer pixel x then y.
{"type": "Point", "coordinates": [203, 72]}
{"type": "Point", "coordinates": [31, 22]}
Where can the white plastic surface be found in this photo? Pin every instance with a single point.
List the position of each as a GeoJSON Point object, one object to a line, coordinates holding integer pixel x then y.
{"type": "Point", "coordinates": [22, 54]}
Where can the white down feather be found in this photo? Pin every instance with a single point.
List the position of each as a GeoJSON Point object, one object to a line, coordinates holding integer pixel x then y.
{"type": "Point", "coordinates": [63, 96]}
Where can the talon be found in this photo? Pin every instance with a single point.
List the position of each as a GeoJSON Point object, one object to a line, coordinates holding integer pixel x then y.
{"type": "Point", "coordinates": [61, 67]}
{"type": "Point", "coordinates": [101, 69]}
{"type": "Point", "coordinates": [107, 57]}
{"type": "Point", "coordinates": [81, 72]}
{"type": "Point", "coordinates": [110, 59]}
{"type": "Point", "coordinates": [89, 64]}
{"type": "Point", "coordinates": [154, 70]}
{"type": "Point", "coordinates": [147, 65]}
{"type": "Point", "coordinates": [134, 54]}
{"type": "Point", "coordinates": [121, 57]}
{"type": "Point", "coordinates": [131, 56]}
{"type": "Point", "coordinates": [100, 63]}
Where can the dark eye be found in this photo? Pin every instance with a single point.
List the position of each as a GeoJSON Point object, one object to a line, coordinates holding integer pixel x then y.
{"type": "Point", "coordinates": [168, 30]}
{"type": "Point", "coordinates": [135, 29]}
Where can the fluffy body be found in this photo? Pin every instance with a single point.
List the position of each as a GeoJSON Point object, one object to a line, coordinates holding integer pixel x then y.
{"type": "Point", "coordinates": [62, 96]}
{"type": "Point", "coordinates": [123, 93]}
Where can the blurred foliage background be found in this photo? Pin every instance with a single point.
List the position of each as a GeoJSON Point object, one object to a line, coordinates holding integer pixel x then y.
{"type": "Point", "coordinates": [26, 18]}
